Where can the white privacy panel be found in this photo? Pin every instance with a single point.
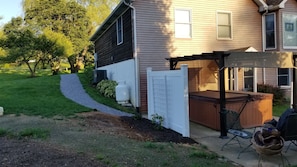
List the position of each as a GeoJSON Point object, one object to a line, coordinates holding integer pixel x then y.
{"type": "Point", "coordinates": [168, 97]}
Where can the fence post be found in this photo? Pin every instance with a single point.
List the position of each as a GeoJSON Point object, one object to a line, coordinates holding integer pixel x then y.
{"type": "Point", "coordinates": [149, 93]}
{"type": "Point", "coordinates": [184, 73]}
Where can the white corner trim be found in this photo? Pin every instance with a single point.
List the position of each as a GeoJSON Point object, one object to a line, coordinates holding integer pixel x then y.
{"type": "Point", "coordinates": [262, 5]}
{"type": "Point", "coordinates": [282, 4]}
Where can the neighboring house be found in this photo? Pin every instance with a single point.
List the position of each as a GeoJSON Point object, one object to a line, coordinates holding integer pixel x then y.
{"type": "Point", "coordinates": [140, 34]}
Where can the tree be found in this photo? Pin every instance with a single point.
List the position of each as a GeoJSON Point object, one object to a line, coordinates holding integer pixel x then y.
{"type": "Point", "coordinates": [97, 11]}
{"type": "Point", "coordinates": [2, 51]}
{"type": "Point", "coordinates": [20, 46]}
{"type": "Point", "coordinates": [76, 19]}
{"type": "Point", "coordinates": [63, 48]}
{"type": "Point", "coordinates": [60, 16]}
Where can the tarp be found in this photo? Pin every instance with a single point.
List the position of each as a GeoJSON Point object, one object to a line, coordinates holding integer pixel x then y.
{"type": "Point", "coordinates": [259, 59]}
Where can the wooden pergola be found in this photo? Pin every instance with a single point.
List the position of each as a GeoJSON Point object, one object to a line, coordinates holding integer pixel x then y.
{"type": "Point", "coordinates": [226, 59]}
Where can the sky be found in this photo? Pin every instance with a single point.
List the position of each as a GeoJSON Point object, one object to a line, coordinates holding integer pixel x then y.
{"type": "Point", "coordinates": [9, 9]}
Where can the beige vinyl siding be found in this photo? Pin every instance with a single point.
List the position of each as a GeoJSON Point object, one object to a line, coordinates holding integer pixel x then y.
{"type": "Point", "coordinates": [245, 21]}
{"type": "Point", "coordinates": [156, 37]}
{"type": "Point", "coordinates": [154, 40]}
{"type": "Point", "coordinates": [271, 76]}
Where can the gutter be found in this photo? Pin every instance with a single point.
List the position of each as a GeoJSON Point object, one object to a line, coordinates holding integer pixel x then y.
{"type": "Point", "coordinates": [135, 55]}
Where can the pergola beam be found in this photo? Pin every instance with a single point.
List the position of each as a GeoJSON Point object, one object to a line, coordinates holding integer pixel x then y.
{"type": "Point", "coordinates": [243, 59]}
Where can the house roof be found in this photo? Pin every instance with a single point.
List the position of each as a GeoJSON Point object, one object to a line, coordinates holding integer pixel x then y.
{"type": "Point", "coordinates": [273, 2]}
{"type": "Point", "coordinates": [116, 13]}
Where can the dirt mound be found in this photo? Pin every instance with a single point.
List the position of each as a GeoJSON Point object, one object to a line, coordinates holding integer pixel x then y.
{"type": "Point", "coordinates": [15, 152]}
{"type": "Point", "coordinates": [138, 129]}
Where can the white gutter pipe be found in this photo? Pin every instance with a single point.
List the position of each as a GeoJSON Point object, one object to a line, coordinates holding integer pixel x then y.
{"type": "Point", "coordinates": [136, 59]}
{"type": "Point", "coordinates": [264, 43]}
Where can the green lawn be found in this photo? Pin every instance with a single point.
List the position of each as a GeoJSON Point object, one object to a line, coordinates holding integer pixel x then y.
{"type": "Point", "coordinates": [34, 96]}
{"type": "Point", "coordinates": [279, 109]}
{"type": "Point", "coordinates": [41, 96]}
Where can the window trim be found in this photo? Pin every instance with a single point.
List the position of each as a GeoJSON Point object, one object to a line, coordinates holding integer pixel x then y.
{"type": "Point", "coordinates": [217, 24]}
{"type": "Point", "coordinates": [289, 79]}
{"type": "Point", "coordinates": [120, 31]}
{"type": "Point", "coordinates": [247, 77]}
{"type": "Point", "coordinates": [190, 23]}
{"type": "Point", "coordinates": [283, 33]}
{"type": "Point", "coordinates": [275, 41]}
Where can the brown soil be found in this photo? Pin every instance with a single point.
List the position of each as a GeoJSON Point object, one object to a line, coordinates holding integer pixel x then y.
{"type": "Point", "coordinates": [27, 152]}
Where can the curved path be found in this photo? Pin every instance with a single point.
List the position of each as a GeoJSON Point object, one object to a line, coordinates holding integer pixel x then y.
{"type": "Point", "coordinates": [72, 89]}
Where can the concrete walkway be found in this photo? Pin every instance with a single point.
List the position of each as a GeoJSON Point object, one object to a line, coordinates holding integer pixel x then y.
{"type": "Point", "coordinates": [72, 89]}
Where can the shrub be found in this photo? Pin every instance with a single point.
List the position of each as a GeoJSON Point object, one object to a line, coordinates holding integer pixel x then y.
{"type": "Point", "coordinates": [89, 73]}
{"type": "Point", "coordinates": [157, 121]}
{"type": "Point", "coordinates": [107, 88]}
{"type": "Point", "coordinates": [278, 94]}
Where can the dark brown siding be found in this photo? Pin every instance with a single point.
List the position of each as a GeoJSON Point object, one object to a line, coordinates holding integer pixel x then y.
{"type": "Point", "coordinates": [106, 45]}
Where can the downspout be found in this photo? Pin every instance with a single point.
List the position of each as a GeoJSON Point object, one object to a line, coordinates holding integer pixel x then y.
{"type": "Point", "coordinates": [136, 60]}
{"type": "Point", "coordinates": [264, 41]}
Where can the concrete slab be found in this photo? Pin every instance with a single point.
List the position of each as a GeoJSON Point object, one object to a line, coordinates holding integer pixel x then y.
{"type": "Point", "coordinates": [210, 138]}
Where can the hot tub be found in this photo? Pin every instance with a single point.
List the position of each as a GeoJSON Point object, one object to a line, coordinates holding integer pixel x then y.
{"type": "Point", "coordinates": [204, 107]}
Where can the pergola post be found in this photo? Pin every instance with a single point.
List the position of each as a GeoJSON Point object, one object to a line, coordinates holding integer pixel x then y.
{"type": "Point", "coordinates": [294, 105]}
{"type": "Point", "coordinates": [223, 119]}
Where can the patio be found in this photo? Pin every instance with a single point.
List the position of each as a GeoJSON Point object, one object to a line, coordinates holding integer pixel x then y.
{"type": "Point", "coordinates": [211, 139]}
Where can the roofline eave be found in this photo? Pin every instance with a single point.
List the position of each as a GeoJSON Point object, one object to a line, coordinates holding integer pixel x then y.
{"type": "Point", "coordinates": [109, 20]}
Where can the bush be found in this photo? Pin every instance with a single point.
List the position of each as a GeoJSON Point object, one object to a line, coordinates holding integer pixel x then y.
{"type": "Point", "coordinates": [107, 88]}
{"type": "Point", "coordinates": [278, 94]}
{"type": "Point", "coordinates": [89, 74]}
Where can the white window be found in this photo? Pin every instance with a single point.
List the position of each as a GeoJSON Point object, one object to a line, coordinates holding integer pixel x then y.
{"type": "Point", "coordinates": [290, 31]}
{"type": "Point", "coordinates": [270, 38]}
{"type": "Point", "coordinates": [224, 25]}
{"type": "Point", "coordinates": [248, 79]}
{"type": "Point", "coordinates": [183, 25]}
{"type": "Point", "coordinates": [283, 77]}
{"type": "Point", "coordinates": [120, 30]}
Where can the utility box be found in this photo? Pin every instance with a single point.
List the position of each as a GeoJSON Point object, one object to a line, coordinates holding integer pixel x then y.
{"type": "Point", "coordinates": [99, 75]}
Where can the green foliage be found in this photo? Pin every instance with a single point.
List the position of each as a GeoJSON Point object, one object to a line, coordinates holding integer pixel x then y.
{"type": "Point", "coordinates": [107, 88]}
{"type": "Point", "coordinates": [278, 93]}
{"type": "Point", "coordinates": [76, 20]}
{"type": "Point", "coordinates": [3, 132]}
{"type": "Point", "coordinates": [62, 42]}
{"type": "Point", "coordinates": [97, 11]}
{"type": "Point", "coordinates": [35, 133]}
{"type": "Point", "coordinates": [89, 74]}
{"type": "Point", "coordinates": [278, 109]}
{"type": "Point", "coordinates": [24, 46]}
{"type": "Point", "coordinates": [94, 93]}
{"type": "Point", "coordinates": [203, 154]}
{"type": "Point", "coordinates": [157, 121]}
